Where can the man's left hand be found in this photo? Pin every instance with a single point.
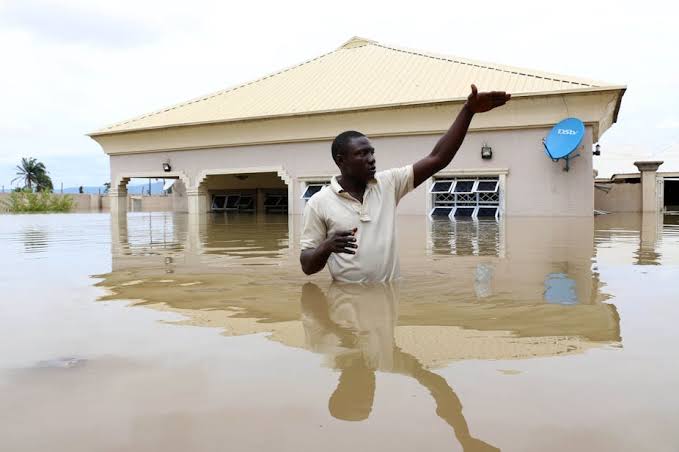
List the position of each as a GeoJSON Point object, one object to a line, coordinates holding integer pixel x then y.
{"type": "Point", "coordinates": [481, 102]}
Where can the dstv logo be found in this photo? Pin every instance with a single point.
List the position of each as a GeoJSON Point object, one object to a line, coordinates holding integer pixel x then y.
{"type": "Point", "coordinates": [566, 132]}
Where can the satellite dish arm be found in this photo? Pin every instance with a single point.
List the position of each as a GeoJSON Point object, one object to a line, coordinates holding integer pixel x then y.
{"type": "Point", "coordinates": [544, 143]}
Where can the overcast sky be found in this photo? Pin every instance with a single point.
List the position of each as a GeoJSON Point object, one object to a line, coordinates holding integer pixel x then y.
{"type": "Point", "coordinates": [70, 67]}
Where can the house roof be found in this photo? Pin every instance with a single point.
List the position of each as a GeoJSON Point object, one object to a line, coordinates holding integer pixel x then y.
{"type": "Point", "coordinates": [360, 74]}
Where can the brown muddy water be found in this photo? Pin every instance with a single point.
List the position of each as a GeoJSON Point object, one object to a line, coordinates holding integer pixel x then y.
{"type": "Point", "coordinates": [160, 333]}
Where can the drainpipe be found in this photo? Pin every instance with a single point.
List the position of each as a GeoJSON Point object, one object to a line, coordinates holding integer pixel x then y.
{"type": "Point", "coordinates": [649, 195]}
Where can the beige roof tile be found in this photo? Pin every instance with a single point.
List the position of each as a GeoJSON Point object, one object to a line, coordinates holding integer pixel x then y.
{"type": "Point", "coordinates": [360, 74]}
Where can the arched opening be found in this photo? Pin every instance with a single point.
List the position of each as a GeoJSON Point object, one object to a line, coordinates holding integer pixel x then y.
{"type": "Point", "coordinates": [148, 192]}
{"type": "Point", "coordinates": [247, 193]}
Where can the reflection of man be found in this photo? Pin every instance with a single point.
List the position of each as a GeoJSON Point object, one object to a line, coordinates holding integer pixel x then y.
{"type": "Point", "coordinates": [354, 327]}
{"type": "Point", "coordinates": [350, 225]}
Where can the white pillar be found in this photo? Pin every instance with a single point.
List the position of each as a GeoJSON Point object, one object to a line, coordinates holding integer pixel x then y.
{"type": "Point", "coordinates": [118, 202]}
{"type": "Point", "coordinates": [649, 195]}
{"type": "Point", "coordinates": [197, 200]}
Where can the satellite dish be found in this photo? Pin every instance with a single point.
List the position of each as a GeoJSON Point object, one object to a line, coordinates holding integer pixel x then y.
{"type": "Point", "coordinates": [564, 139]}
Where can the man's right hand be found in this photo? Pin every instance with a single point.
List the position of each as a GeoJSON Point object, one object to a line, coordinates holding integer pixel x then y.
{"type": "Point", "coordinates": [314, 259]}
{"type": "Point", "coordinates": [341, 242]}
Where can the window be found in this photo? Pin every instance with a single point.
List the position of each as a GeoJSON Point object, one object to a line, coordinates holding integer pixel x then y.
{"type": "Point", "coordinates": [464, 186]}
{"type": "Point", "coordinates": [441, 211]}
{"type": "Point", "coordinates": [485, 212]}
{"type": "Point", "coordinates": [218, 202]}
{"type": "Point", "coordinates": [470, 197]}
{"type": "Point", "coordinates": [276, 203]}
{"type": "Point", "coordinates": [441, 186]}
{"type": "Point", "coordinates": [312, 188]}
{"type": "Point", "coordinates": [272, 200]}
{"type": "Point", "coordinates": [464, 212]}
{"type": "Point", "coordinates": [233, 202]}
{"type": "Point", "coordinates": [487, 186]}
{"type": "Point", "coordinates": [246, 203]}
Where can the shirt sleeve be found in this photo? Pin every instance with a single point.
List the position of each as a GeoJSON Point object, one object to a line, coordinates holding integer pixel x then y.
{"type": "Point", "coordinates": [403, 180]}
{"type": "Point", "coordinates": [314, 230]}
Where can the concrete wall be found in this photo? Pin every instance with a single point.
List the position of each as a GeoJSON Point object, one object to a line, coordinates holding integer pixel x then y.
{"type": "Point", "coordinates": [535, 186]}
{"type": "Point", "coordinates": [620, 198]}
{"type": "Point", "coordinates": [82, 202]}
{"type": "Point", "coordinates": [96, 203]}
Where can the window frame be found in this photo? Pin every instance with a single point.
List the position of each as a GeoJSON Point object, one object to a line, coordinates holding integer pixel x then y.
{"type": "Point", "coordinates": [308, 185]}
{"type": "Point", "coordinates": [431, 212]}
{"type": "Point", "coordinates": [497, 186]}
{"type": "Point", "coordinates": [452, 184]}
{"type": "Point", "coordinates": [454, 211]}
{"type": "Point", "coordinates": [497, 211]}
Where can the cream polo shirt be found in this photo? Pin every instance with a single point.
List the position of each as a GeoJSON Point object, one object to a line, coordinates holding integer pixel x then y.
{"type": "Point", "coordinates": [332, 209]}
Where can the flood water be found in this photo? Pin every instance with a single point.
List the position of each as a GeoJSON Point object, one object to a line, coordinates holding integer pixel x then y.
{"type": "Point", "coordinates": [159, 332]}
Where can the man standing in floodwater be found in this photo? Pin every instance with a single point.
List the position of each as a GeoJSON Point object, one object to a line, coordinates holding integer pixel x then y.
{"type": "Point", "coordinates": [351, 224]}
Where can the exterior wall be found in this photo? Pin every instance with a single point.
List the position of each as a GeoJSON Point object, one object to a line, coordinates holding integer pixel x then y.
{"type": "Point", "coordinates": [620, 198]}
{"type": "Point", "coordinates": [535, 186]}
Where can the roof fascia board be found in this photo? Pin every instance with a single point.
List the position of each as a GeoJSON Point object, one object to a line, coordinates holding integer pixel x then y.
{"type": "Point", "coordinates": [595, 109]}
{"type": "Point", "coordinates": [621, 89]}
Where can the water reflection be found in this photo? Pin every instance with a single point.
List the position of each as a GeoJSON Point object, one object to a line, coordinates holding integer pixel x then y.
{"type": "Point", "coordinates": [353, 326]}
{"type": "Point", "coordinates": [540, 297]}
{"type": "Point", "coordinates": [35, 239]}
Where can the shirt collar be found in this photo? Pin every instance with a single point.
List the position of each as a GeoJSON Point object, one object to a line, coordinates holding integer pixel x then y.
{"type": "Point", "coordinates": [337, 188]}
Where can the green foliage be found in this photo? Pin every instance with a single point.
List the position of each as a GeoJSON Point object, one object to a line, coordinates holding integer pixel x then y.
{"type": "Point", "coordinates": [44, 201]}
{"type": "Point", "coordinates": [43, 183]}
{"type": "Point", "coordinates": [33, 172]}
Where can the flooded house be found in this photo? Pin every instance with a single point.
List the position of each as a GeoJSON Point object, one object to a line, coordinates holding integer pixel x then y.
{"type": "Point", "coordinates": [264, 145]}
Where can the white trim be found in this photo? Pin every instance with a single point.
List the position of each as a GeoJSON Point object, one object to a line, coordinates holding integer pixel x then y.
{"type": "Point", "coordinates": [476, 172]}
{"type": "Point", "coordinates": [119, 179]}
{"type": "Point", "coordinates": [318, 178]}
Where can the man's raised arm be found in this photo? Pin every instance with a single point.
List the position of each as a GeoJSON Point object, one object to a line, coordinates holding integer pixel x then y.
{"type": "Point", "coordinates": [450, 142]}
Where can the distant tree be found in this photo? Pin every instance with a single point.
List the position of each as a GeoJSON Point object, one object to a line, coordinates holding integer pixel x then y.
{"type": "Point", "coordinates": [107, 187]}
{"type": "Point", "coordinates": [32, 172]}
{"type": "Point", "coordinates": [44, 183]}
{"type": "Point", "coordinates": [81, 189]}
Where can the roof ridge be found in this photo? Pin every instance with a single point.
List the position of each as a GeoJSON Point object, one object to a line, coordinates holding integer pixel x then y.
{"type": "Point", "coordinates": [484, 65]}
{"type": "Point", "coordinates": [218, 93]}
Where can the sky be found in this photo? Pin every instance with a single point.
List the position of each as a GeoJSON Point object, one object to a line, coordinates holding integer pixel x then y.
{"type": "Point", "coordinates": [72, 67]}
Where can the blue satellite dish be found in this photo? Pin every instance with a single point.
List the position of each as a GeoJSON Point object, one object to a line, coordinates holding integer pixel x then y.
{"type": "Point", "coordinates": [564, 138]}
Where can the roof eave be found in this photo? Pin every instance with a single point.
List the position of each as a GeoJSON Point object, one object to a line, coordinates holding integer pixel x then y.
{"type": "Point", "coordinates": [620, 88]}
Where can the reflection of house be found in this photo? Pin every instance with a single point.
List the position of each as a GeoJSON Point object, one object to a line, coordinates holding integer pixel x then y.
{"type": "Point", "coordinates": [272, 136]}
{"type": "Point", "coordinates": [482, 306]}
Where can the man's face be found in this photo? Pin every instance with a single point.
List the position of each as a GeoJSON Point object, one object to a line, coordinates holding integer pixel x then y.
{"type": "Point", "coordinates": [358, 160]}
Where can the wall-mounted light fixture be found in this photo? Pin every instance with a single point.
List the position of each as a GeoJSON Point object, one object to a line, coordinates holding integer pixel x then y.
{"type": "Point", "coordinates": [597, 149]}
{"type": "Point", "coordinates": [166, 167]}
{"type": "Point", "coordinates": [486, 152]}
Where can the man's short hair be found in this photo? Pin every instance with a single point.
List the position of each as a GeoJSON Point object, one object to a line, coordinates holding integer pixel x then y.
{"type": "Point", "coordinates": [341, 141]}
